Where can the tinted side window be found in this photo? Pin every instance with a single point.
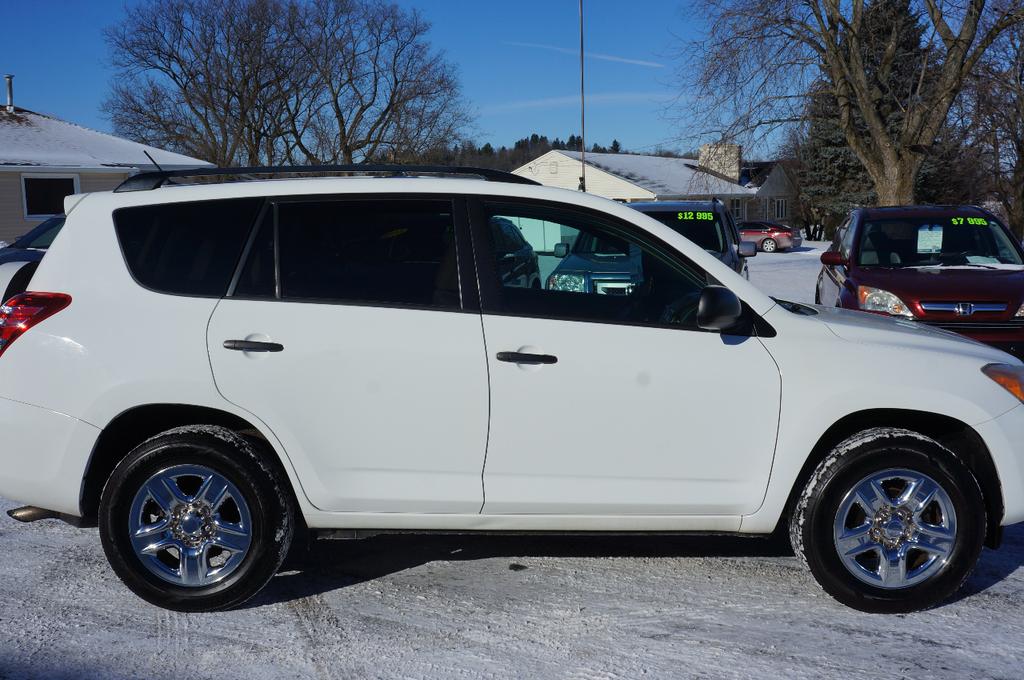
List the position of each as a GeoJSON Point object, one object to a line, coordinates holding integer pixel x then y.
{"type": "Point", "coordinates": [385, 251]}
{"type": "Point", "coordinates": [500, 233]}
{"type": "Point", "coordinates": [185, 248]}
{"type": "Point", "coordinates": [258, 278]}
{"type": "Point", "coordinates": [515, 238]}
{"type": "Point", "coordinates": [731, 233]}
{"type": "Point", "coordinates": [603, 274]}
{"type": "Point", "coordinates": [837, 238]}
{"type": "Point", "coordinates": [42, 236]}
{"type": "Point", "coordinates": [846, 244]}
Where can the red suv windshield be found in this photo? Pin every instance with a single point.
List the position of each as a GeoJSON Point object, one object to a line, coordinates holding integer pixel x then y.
{"type": "Point", "coordinates": [936, 242]}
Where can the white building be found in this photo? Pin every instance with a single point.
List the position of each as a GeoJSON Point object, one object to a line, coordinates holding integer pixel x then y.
{"type": "Point", "coordinates": [753, 191]}
{"type": "Point", "coordinates": [44, 159]}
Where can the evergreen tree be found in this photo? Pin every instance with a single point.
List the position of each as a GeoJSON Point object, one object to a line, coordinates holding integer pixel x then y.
{"type": "Point", "coordinates": [831, 177]}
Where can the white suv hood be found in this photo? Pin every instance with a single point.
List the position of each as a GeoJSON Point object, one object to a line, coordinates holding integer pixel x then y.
{"type": "Point", "coordinates": [865, 328]}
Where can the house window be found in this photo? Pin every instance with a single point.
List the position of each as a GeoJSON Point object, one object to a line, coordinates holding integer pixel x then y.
{"type": "Point", "coordinates": [781, 211]}
{"type": "Point", "coordinates": [765, 205]}
{"type": "Point", "coordinates": [736, 208]}
{"type": "Point", "coordinates": [44, 194]}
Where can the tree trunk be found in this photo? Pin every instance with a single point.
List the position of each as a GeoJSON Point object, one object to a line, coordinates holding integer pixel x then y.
{"type": "Point", "coordinates": [894, 182]}
{"type": "Point", "coordinates": [1013, 197]}
{"type": "Point", "coordinates": [1016, 222]}
{"type": "Point", "coordinates": [1015, 213]}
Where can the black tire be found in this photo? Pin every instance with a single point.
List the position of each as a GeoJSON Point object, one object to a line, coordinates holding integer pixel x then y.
{"type": "Point", "coordinates": [812, 522]}
{"type": "Point", "coordinates": [769, 245]}
{"type": "Point", "coordinates": [262, 488]}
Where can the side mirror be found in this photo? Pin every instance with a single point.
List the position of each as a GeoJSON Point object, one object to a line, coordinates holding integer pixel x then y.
{"type": "Point", "coordinates": [833, 258]}
{"type": "Point", "coordinates": [561, 250]}
{"type": "Point", "coordinates": [747, 249]}
{"type": "Point", "coordinates": [719, 309]}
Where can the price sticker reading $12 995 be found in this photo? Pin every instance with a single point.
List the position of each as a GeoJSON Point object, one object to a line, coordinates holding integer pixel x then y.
{"type": "Point", "coordinates": [690, 215]}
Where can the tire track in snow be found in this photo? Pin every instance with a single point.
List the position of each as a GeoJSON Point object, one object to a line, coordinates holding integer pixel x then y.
{"type": "Point", "coordinates": [321, 629]}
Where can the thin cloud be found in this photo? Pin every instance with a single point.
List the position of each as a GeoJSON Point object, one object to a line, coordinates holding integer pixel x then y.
{"type": "Point", "coordinates": [589, 55]}
{"type": "Point", "coordinates": [574, 100]}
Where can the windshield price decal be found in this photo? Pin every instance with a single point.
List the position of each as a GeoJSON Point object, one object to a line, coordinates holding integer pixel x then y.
{"type": "Point", "coordinates": [689, 215]}
{"type": "Point", "coordinates": [978, 221]}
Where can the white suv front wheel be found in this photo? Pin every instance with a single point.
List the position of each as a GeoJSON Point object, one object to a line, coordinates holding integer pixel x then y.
{"type": "Point", "coordinates": [890, 521]}
{"type": "Point", "coordinates": [195, 520]}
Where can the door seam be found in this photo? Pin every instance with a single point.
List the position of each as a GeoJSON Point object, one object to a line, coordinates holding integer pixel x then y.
{"type": "Point", "coordinates": [487, 439]}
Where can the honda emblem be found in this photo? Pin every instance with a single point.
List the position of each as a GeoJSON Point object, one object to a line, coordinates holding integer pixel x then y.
{"type": "Point", "coordinates": [964, 309]}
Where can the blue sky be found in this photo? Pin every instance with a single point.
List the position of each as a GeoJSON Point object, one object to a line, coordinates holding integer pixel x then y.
{"type": "Point", "coordinates": [517, 60]}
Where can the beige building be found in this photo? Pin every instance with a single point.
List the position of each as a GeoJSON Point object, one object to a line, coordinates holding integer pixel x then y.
{"type": "Point", "coordinates": [44, 159]}
{"type": "Point", "coordinates": [752, 191]}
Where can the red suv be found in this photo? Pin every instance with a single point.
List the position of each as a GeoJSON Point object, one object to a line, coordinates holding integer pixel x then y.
{"type": "Point", "coordinates": [954, 267]}
{"type": "Point", "coordinates": [769, 236]}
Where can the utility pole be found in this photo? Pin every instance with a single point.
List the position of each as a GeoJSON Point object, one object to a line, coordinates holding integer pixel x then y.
{"type": "Point", "coordinates": [583, 115]}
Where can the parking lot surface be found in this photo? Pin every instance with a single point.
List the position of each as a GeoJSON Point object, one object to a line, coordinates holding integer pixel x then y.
{"type": "Point", "coordinates": [504, 607]}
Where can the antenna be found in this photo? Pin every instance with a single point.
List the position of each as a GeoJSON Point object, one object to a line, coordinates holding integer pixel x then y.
{"type": "Point", "coordinates": [152, 160]}
{"type": "Point", "coordinates": [583, 119]}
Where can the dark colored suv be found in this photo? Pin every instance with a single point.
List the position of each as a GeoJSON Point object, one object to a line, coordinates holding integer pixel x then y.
{"type": "Point", "coordinates": [954, 267]}
{"type": "Point", "coordinates": [706, 223]}
{"type": "Point", "coordinates": [31, 246]}
{"type": "Point", "coordinates": [516, 259]}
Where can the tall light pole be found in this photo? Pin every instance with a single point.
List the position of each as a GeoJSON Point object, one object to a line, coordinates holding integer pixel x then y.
{"type": "Point", "coordinates": [583, 115]}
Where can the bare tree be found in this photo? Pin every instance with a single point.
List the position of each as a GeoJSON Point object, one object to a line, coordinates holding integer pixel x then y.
{"type": "Point", "coordinates": [761, 60]}
{"type": "Point", "coordinates": [994, 107]}
{"type": "Point", "coordinates": [267, 81]}
{"type": "Point", "coordinates": [380, 91]}
{"type": "Point", "coordinates": [201, 77]}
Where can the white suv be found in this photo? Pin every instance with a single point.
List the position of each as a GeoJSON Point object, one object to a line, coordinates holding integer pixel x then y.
{"type": "Point", "coordinates": [202, 369]}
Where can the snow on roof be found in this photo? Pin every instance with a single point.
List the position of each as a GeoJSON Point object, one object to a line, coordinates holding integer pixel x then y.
{"type": "Point", "coordinates": [664, 176]}
{"type": "Point", "coordinates": [34, 140]}
{"type": "Point", "coordinates": [754, 173]}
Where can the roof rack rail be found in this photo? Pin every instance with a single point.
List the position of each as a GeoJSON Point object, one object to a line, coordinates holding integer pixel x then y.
{"type": "Point", "coordinates": [147, 181]}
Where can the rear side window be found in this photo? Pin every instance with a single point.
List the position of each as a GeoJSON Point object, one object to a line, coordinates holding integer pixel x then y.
{"type": "Point", "coordinates": [393, 252]}
{"type": "Point", "coordinates": [185, 248]}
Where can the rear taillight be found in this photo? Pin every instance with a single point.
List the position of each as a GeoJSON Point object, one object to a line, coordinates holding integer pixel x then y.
{"type": "Point", "coordinates": [23, 311]}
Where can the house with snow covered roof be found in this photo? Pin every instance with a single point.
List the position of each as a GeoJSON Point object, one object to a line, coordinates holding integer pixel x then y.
{"type": "Point", "coordinates": [43, 159]}
{"type": "Point", "coordinates": [753, 191]}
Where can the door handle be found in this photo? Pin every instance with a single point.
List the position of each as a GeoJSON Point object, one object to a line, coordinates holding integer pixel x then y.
{"type": "Point", "coordinates": [524, 358]}
{"type": "Point", "coordinates": [253, 346]}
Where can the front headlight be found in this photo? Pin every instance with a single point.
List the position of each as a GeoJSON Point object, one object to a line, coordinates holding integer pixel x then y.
{"type": "Point", "coordinates": [877, 300]}
{"type": "Point", "coordinates": [1020, 312]}
{"type": "Point", "coordinates": [1010, 378]}
{"type": "Point", "coordinates": [571, 283]}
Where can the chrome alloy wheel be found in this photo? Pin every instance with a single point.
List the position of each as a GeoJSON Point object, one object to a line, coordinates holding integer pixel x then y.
{"type": "Point", "coordinates": [190, 526]}
{"type": "Point", "coordinates": [895, 528]}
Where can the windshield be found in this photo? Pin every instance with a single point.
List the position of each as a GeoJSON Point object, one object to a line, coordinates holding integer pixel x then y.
{"type": "Point", "coordinates": [936, 242]}
{"type": "Point", "coordinates": [42, 236]}
{"type": "Point", "coordinates": [605, 246]}
{"type": "Point", "coordinates": [700, 226]}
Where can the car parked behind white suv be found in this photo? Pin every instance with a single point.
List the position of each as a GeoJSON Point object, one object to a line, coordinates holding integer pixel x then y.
{"type": "Point", "coordinates": [201, 369]}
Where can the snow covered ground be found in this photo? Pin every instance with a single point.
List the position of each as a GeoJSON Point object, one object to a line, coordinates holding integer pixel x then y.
{"type": "Point", "coordinates": [789, 275]}
{"type": "Point", "coordinates": [504, 607]}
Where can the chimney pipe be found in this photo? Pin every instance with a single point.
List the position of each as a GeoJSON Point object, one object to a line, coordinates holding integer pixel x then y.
{"type": "Point", "coordinates": [10, 92]}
